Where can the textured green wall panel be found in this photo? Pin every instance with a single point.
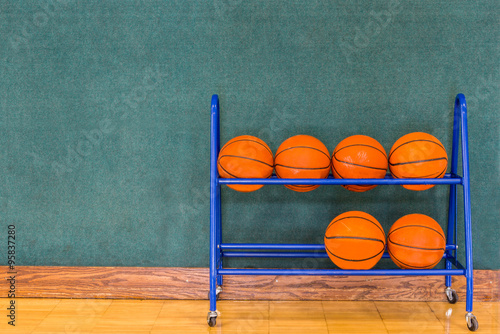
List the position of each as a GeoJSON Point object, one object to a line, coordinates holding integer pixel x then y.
{"type": "Point", "coordinates": [104, 107]}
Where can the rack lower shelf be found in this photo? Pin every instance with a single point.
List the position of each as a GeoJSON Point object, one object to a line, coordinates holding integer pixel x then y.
{"type": "Point", "coordinates": [318, 251]}
{"type": "Point", "coordinates": [343, 272]}
{"type": "Point", "coordinates": [289, 250]}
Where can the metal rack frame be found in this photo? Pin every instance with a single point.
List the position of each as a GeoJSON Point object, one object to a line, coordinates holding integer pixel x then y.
{"type": "Point", "coordinates": [219, 250]}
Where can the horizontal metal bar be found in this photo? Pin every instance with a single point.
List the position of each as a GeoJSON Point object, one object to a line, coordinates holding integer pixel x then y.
{"type": "Point", "coordinates": [276, 254]}
{"type": "Point", "coordinates": [342, 272]}
{"type": "Point", "coordinates": [287, 247]}
{"type": "Point", "coordinates": [290, 254]}
{"type": "Point", "coordinates": [298, 247]}
{"type": "Point", "coordinates": [447, 179]}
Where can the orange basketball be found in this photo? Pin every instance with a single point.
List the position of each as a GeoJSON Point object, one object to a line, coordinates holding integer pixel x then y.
{"type": "Point", "coordinates": [302, 157]}
{"type": "Point", "coordinates": [245, 157]}
{"type": "Point", "coordinates": [418, 155]}
{"type": "Point", "coordinates": [359, 157]}
{"type": "Point", "coordinates": [355, 240]}
{"type": "Point", "coordinates": [416, 241]}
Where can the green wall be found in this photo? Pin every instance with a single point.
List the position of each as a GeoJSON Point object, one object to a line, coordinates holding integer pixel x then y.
{"type": "Point", "coordinates": [105, 109]}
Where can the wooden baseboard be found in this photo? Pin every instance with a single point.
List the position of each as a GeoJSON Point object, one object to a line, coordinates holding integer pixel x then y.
{"type": "Point", "coordinates": [192, 283]}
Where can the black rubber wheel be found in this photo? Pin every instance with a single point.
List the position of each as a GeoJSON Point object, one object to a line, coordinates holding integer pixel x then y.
{"type": "Point", "coordinates": [454, 297]}
{"type": "Point", "coordinates": [212, 321]}
{"type": "Point", "coordinates": [474, 325]}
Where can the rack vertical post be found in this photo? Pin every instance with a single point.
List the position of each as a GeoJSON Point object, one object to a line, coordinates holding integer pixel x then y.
{"type": "Point", "coordinates": [215, 221]}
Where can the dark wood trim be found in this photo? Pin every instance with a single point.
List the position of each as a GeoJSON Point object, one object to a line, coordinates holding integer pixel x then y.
{"type": "Point", "coordinates": [110, 282]}
{"type": "Point", "coordinates": [192, 283]}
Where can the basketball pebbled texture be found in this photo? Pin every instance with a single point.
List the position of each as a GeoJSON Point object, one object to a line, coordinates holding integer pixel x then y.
{"type": "Point", "coordinates": [359, 157]}
{"type": "Point", "coordinates": [416, 241]}
{"type": "Point", "coordinates": [418, 155]}
{"type": "Point", "coordinates": [302, 157]}
{"type": "Point", "coordinates": [354, 240]}
{"type": "Point", "coordinates": [245, 157]}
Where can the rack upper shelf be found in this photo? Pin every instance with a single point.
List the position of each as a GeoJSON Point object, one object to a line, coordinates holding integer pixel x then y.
{"type": "Point", "coordinates": [447, 179]}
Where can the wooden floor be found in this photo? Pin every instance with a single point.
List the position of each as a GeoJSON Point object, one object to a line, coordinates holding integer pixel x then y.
{"type": "Point", "coordinates": [80, 316]}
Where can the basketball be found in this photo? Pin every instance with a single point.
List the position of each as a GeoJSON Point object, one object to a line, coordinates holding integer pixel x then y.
{"type": "Point", "coordinates": [416, 241]}
{"type": "Point", "coordinates": [359, 157]}
{"type": "Point", "coordinates": [245, 157]}
{"type": "Point", "coordinates": [355, 240]}
{"type": "Point", "coordinates": [302, 157]}
{"type": "Point", "coordinates": [418, 155]}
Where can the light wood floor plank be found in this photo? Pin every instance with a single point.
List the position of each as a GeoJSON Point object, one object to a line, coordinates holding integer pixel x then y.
{"type": "Point", "coordinates": [182, 316]}
{"type": "Point", "coordinates": [29, 314]}
{"type": "Point", "coordinates": [130, 316]}
{"type": "Point", "coordinates": [296, 317]}
{"type": "Point", "coordinates": [453, 316]}
{"type": "Point", "coordinates": [409, 317]}
{"type": "Point", "coordinates": [244, 317]}
{"type": "Point", "coordinates": [353, 317]}
{"type": "Point", "coordinates": [73, 316]}
{"type": "Point", "coordinates": [85, 316]}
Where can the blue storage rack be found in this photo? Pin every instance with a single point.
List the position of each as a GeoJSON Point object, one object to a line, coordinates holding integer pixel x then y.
{"type": "Point", "coordinates": [219, 250]}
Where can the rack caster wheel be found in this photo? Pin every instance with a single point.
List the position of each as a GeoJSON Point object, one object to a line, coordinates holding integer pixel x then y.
{"type": "Point", "coordinates": [218, 290]}
{"type": "Point", "coordinates": [451, 295]}
{"type": "Point", "coordinates": [472, 323]}
{"type": "Point", "coordinates": [212, 319]}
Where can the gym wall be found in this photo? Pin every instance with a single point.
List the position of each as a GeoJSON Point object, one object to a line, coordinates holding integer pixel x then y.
{"type": "Point", "coordinates": [105, 110]}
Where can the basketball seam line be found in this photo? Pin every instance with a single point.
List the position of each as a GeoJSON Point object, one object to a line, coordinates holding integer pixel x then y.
{"type": "Point", "coordinates": [412, 141]}
{"type": "Point", "coordinates": [430, 228]}
{"type": "Point", "coordinates": [246, 158]}
{"type": "Point", "coordinates": [226, 170]}
{"type": "Point", "coordinates": [312, 148]}
{"type": "Point", "coordinates": [398, 260]}
{"type": "Point", "coordinates": [303, 168]}
{"type": "Point", "coordinates": [295, 185]}
{"type": "Point", "coordinates": [336, 171]}
{"type": "Point", "coordinates": [301, 185]}
{"type": "Point", "coordinates": [335, 221]}
{"type": "Point", "coordinates": [419, 177]}
{"type": "Point", "coordinates": [385, 154]}
{"type": "Point", "coordinates": [417, 161]}
{"type": "Point", "coordinates": [353, 237]}
{"type": "Point", "coordinates": [347, 186]}
{"type": "Point", "coordinates": [351, 163]}
{"type": "Point", "coordinates": [353, 260]}
{"type": "Point", "coordinates": [351, 186]}
{"type": "Point", "coordinates": [267, 148]}
{"type": "Point", "coordinates": [235, 177]}
{"type": "Point", "coordinates": [410, 266]}
{"type": "Point", "coordinates": [413, 247]}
